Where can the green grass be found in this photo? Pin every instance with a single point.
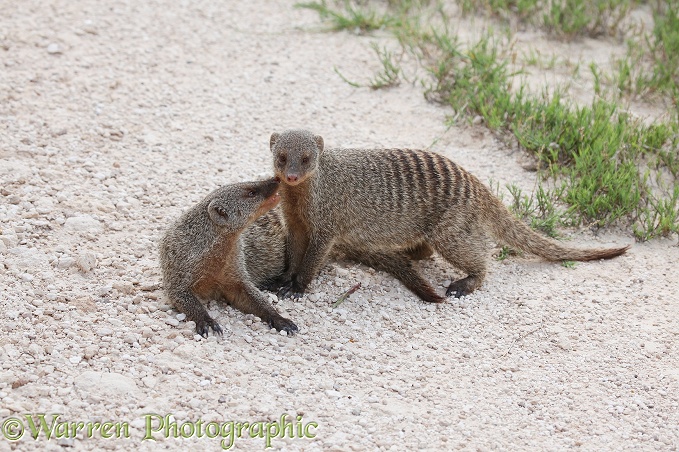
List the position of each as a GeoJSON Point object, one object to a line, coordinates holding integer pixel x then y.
{"type": "Point", "coordinates": [538, 209]}
{"type": "Point", "coordinates": [651, 67]}
{"type": "Point", "coordinates": [665, 51]}
{"type": "Point", "coordinates": [505, 253]}
{"type": "Point", "coordinates": [599, 162]}
{"type": "Point", "coordinates": [387, 77]}
{"type": "Point", "coordinates": [568, 19]}
{"type": "Point", "coordinates": [534, 58]}
{"type": "Point", "coordinates": [349, 17]}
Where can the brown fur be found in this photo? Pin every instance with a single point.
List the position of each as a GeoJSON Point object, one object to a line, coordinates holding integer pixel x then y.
{"type": "Point", "coordinates": [394, 200]}
{"type": "Point", "coordinates": [203, 255]}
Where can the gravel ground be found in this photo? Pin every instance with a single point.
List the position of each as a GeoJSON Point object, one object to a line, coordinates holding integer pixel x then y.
{"type": "Point", "coordinates": [116, 116]}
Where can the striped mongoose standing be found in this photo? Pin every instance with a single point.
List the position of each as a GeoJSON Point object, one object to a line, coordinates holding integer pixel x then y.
{"type": "Point", "coordinates": [205, 256]}
{"type": "Point", "coordinates": [394, 199]}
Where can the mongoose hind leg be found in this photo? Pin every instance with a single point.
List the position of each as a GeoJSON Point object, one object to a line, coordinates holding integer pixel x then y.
{"type": "Point", "coordinates": [187, 303]}
{"type": "Point", "coordinates": [399, 265]}
{"type": "Point", "coordinates": [466, 254]}
{"type": "Point", "coordinates": [463, 286]}
{"type": "Point", "coordinates": [420, 251]}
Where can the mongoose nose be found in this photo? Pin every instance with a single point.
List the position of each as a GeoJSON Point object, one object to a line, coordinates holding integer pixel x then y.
{"type": "Point", "coordinates": [292, 177]}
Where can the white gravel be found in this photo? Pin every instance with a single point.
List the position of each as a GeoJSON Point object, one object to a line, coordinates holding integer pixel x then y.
{"type": "Point", "coordinates": [116, 116]}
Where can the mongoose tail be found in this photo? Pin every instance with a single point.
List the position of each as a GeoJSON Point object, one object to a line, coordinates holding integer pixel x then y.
{"type": "Point", "coordinates": [507, 228]}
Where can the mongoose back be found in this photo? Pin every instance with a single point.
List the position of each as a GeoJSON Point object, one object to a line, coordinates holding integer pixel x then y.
{"type": "Point", "coordinates": [203, 255]}
{"type": "Point", "coordinates": [394, 199]}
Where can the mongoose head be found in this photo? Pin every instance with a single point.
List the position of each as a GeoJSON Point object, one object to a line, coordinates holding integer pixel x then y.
{"type": "Point", "coordinates": [237, 206]}
{"type": "Point", "coordinates": [295, 155]}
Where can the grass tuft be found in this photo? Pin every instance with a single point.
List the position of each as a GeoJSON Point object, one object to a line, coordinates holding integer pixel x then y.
{"type": "Point", "coordinates": [389, 75]}
{"type": "Point", "coordinates": [568, 19]}
{"type": "Point", "coordinates": [351, 17]}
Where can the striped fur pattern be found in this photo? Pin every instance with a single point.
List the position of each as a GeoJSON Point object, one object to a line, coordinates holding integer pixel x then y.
{"type": "Point", "coordinates": [394, 200]}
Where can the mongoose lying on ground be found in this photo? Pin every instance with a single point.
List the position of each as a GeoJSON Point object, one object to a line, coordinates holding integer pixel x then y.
{"type": "Point", "coordinates": [204, 254]}
{"type": "Point", "coordinates": [394, 199]}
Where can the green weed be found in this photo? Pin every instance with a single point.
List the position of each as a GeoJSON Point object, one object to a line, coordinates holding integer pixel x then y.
{"type": "Point", "coordinates": [565, 18]}
{"type": "Point", "coordinates": [389, 75]}
{"type": "Point", "coordinates": [350, 17]}
{"type": "Point", "coordinates": [651, 67]}
{"type": "Point", "coordinates": [538, 208]}
{"type": "Point", "coordinates": [506, 252]}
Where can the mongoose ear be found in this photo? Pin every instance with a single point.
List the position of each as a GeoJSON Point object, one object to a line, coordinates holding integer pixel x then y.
{"type": "Point", "coordinates": [274, 138]}
{"type": "Point", "coordinates": [218, 214]}
{"type": "Point", "coordinates": [319, 142]}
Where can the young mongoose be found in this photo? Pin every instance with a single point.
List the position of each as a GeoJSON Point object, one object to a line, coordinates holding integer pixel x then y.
{"type": "Point", "coordinates": [394, 199]}
{"type": "Point", "coordinates": [204, 255]}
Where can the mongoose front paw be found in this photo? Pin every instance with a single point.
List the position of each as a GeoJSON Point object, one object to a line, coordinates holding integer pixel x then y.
{"type": "Point", "coordinates": [276, 284]}
{"type": "Point", "coordinates": [284, 289]}
{"type": "Point", "coordinates": [283, 324]}
{"type": "Point", "coordinates": [203, 327]}
{"type": "Point", "coordinates": [291, 290]}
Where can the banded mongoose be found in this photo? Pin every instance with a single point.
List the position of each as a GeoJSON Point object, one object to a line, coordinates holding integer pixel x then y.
{"type": "Point", "coordinates": [204, 255]}
{"type": "Point", "coordinates": [394, 199]}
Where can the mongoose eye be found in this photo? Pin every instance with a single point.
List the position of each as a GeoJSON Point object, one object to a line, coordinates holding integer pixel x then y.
{"type": "Point", "coordinates": [282, 159]}
{"type": "Point", "coordinates": [251, 193]}
{"type": "Point", "coordinates": [305, 160]}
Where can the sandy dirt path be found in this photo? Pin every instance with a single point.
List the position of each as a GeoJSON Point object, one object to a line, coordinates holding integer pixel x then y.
{"type": "Point", "coordinates": [116, 116]}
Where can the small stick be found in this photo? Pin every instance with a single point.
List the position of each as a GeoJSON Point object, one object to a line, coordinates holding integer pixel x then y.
{"type": "Point", "coordinates": [345, 295]}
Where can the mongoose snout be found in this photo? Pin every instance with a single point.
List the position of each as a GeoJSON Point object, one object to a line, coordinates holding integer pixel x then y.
{"type": "Point", "coordinates": [293, 167]}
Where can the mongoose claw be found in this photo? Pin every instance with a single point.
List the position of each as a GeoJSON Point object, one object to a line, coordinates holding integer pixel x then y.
{"type": "Point", "coordinates": [284, 289]}
{"type": "Point", "coordinates": [217, 329]}
{"type": "Point", "coordinates": [283, 324]}
{"type": "Point", "coordinates": [276, 284]}
{"type": "Point", "coordinates": [203, 328]}
{"type": "Point", "coordinates": [290, 290]}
